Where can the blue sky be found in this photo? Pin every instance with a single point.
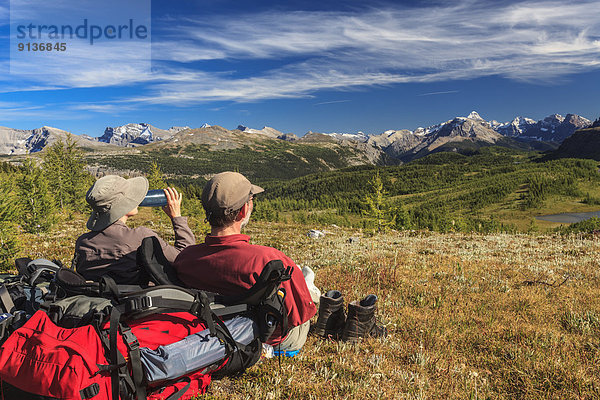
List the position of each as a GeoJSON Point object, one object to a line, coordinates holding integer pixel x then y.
{"type": "Point", "coordinates": [329, 66]}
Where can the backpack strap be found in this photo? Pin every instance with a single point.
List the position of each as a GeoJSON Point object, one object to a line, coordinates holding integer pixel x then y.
{"type": "Point", "coordinates": [272, 313]}
{"type": "Point", "coordinates": [272, 275]}
{"type": "Point", "coordinates": [121, 382]}
{"type": "Point", "coordinates": [162, 298]}
{"type": "Point", "coordinates": [115, 317]}
{"type": "Point", "coordinates": [7, 303]}
{"type": "Point", "coordinates": [69, 282]}
{"type": "Point", "coordinates": [181, 391]}
{"type": "Point", "coordinates": [41, 274]}
{"type": "Point", "coordinates": [21, 264]}
{"type": "Point", "coordinates": [154, 265]}
{"type": "Point", "coordinates": [38, 270]}
{"type": "Point", "coordinates": [136, 364]}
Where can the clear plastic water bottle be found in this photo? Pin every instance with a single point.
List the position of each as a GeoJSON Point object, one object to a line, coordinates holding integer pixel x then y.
{"type": "Point", "coordinates": [154, 198]}
{"type": "Point", "coordinates": [267, 351]}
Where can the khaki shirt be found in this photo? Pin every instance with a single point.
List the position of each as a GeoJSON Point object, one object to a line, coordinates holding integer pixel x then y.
{"type": "Point", "coordinates": [113, 251]}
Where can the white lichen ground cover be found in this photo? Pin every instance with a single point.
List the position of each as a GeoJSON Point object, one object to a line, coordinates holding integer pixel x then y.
{"type": "Point", "coordinates": [470, 316]}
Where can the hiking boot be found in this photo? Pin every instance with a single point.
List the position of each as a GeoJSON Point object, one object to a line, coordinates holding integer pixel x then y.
{"type": "Point", "coordinates": [361, 320]}
{"type": "Point", "coordinates": [331, 315]}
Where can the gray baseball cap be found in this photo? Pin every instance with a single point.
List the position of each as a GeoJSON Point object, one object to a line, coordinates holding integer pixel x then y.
{"type": "Point", "coordinates": [111, 197]}
{"type": "Point", "coordinates": [227, 192]}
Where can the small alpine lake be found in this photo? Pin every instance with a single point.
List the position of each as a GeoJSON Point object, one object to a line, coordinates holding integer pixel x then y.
{"type": "Point", "coordinates": [569, 218]}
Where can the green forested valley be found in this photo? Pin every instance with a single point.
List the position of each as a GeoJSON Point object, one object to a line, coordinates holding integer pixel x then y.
{"type": "Point", "coordinates": [494, 190]}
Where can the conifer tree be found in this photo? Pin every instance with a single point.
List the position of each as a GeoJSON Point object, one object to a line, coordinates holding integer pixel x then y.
{"type": "Point", "coordinates": [64, 168]}
{"type": "Point", "coordinates": [403, 220]}
{"type": "Point", "coordinates": [156, 178]}
{"type": "Point", "coordinates": [377, 208]}
{"type": "Point", "coordinates": [9, 211]}
{"type": "Point", "coordinates": [37, 205]}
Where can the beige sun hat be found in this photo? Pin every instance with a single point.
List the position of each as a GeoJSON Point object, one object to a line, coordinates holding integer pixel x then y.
{"type": "Point", "coordinates": [228, 192]}
{"type": "Point", "coordinates": [111, 197]}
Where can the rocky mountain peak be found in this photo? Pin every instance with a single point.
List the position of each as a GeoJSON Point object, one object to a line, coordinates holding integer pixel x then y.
{"type": "Point", "coordinates": [266, 131]}
{"type": "Point", "coordinates": [133, 134]}
{"type": "Point", "coordinates": [475, 115]}
{"type": "Point", "coordinates": [175, 129]}
{"type": "Point", "coordinates": [554, 119]}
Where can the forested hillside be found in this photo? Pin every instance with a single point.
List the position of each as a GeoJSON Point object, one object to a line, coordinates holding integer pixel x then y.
{"type": "Point", "coordinates": [495, 189]}
{"type": "Point", "coordinates": [261, 160]}
{"type": "Point", "coordinates": [584, 143]}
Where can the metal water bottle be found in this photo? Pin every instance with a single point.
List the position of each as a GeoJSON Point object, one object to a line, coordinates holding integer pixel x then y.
{"type": "Point", "coordinates": [154, 198]}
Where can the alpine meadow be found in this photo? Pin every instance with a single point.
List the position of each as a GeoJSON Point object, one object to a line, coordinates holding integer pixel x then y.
{"type": "Point", "coordinates": [480, 299]}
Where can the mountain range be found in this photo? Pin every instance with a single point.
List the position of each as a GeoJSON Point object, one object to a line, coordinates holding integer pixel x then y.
{"type": "Point", "coordinates": [457, 134]}
{"type": "Point", "coordinates": [18, 141]}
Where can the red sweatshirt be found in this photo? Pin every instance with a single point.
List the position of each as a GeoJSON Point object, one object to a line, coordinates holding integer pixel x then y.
{"type": "Point", "coordinates": [230, 264]}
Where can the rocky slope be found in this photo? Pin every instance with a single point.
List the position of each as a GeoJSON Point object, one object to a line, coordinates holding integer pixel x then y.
{"type": "Point", "coordinates": [137, 134]}
{"type": "Point", "coordinates": [17, 141]}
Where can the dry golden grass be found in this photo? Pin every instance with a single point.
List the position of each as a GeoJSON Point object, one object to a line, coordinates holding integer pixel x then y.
{"type": "Point", "coordinates": [469, 316]}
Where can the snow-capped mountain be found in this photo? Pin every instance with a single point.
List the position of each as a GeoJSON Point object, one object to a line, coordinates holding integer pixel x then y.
{"type": "Point", "coordinates": [268, 132]}
{"type": "Point", "coordinates": [175, 129]}
{"type": "Point", "coordinates": [471, 132]}
{"type": "Point", "coordinates": [136, 134]}
{"type": "Point", "coordinates": [358, 136]}
{"type": "Point", "coordinates": [557, 128]}
{"type": "Point", "coordinates": [20, 141]}
{"type": "Point", "coordinates": [406, 144]}
{"type": "Point", "coordinates": [553, 128]}
{"type": "Point", "coordinates": [517, 127]}
{"type": "Point", "coordinates": [474, 128]}
{"type": "Point", "coordinates": [474, 115]}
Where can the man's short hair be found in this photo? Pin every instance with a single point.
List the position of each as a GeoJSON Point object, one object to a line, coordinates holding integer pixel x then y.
{"type": "Point", "coordinates": [220, 219]}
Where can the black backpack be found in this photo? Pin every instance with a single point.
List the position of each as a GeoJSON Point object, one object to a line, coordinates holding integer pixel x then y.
{"type": "Point", "coordinates": [21, 295]}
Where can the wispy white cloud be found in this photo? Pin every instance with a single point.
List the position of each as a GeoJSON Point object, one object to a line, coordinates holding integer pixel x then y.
{"type": "Point", "coordinates": [17, 111]}
{"type": "Point", "coordinates": [4, 15]}
{"type": "Point", "coordinates": [284, 83]}
{"type": "Point", "coordinates": [437, 93]}
{"type": "Point", "coordinates": [309, 51]}
{"type": "Point", "coordinates": [331, 102]}
{"type": "Point", "coordinates": [531, 41]}
{"type": "Point", "coordinates": [108, 108]}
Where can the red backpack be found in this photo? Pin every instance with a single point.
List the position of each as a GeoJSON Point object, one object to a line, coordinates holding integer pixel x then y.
{"type": "Point", "coordinates": [62, 368]}
{"type": "Point", "coordinates": [120, 344]}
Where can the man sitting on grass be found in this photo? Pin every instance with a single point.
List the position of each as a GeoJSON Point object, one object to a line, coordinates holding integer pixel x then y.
{"type": "Point", "coordinates": [228, 264]}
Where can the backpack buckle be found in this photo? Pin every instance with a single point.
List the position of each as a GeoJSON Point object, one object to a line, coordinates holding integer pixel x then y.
{"type": "Point", "coordinates": [132, 341]}
{"type": "Point", "coordinates": [146, 302]}
{"type": "Point", "coordinates": [139, 303]}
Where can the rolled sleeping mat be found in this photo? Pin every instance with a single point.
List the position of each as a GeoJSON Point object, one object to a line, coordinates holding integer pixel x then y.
{"type": "Point", "coordinates": [193, 352]}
